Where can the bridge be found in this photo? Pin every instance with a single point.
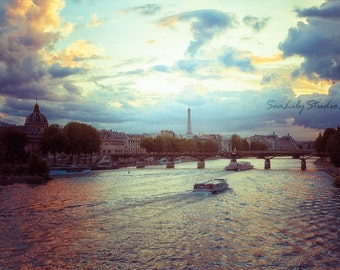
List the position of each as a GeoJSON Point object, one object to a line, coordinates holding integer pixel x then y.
{"type": "Point", "coordinates": [302, 155]}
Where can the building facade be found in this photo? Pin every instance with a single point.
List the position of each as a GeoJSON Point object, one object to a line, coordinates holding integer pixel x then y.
{"type": "Point", "coordinates": [284, 143]}
{"type": "Point", "coordinates": [114, 143]}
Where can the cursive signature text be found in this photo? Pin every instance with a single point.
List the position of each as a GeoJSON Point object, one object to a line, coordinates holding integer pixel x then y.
{"type": "Point", "coordinates": [300, 107]}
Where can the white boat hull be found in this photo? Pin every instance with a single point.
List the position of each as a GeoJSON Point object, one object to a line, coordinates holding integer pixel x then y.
{"type": "Point", "coordinates": [213, 186]}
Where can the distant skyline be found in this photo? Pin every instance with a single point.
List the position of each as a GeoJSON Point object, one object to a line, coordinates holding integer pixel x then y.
{"type": "Point", "coordinates": [245, 67]}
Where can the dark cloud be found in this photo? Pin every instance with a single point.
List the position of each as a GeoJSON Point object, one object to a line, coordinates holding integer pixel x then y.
{"type": "Point", "coordinates": [147, 10]}
{"type": "Point", "coordinates": [257, 24]}
{"type": "Point", "coordinates": [23, 38]}
{"type": "Point", "coordinates": [205, 25]}
{"type": "Point", "coordinates": [231, 58]}
{"type": "Point", "coordinates": [318, 41]}
{"type": "Point", "coordinates": [329, 10]}
{"type": "Point", "coordinates": [58, 71]}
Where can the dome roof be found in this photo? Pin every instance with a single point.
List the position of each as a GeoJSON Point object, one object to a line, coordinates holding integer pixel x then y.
{"type": "Point", "coordinates": [36, 118]}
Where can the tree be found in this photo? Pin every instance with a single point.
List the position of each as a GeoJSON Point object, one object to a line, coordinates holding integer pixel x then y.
{"type": "Point", "coordinates": [2, 149]}
{"type": "Point", "coordinates": [73, 141]}
{"type": "Point", "coordinates": [244, 145]}
{"type": "Point", "coordinates": [321, 141]}
{"type": "Point", "coordinates": [149, 144]}
{"type": "Point", "coordinates": [208, 146]}
{"type": "Point", "coordinates": [333, 147]}
{"type": "Point", "coordinates": [91, 140]}
{"type": "Point", "coordinates": [329, 141]}
{"type": "Point", "coordinates": [37, 165]}
{"type": "Point", "coordinates": [318, 143]}
{"type": "Point", "coordinates": [80, 139]}
{"type": "Point", "coordinates": [53, 141]}
{"type": "Point", "coordinates": [14, 143]}
{"type": "Point", "coordinates": [258, 146]}
{"type": "Point", "coordinates": [235, 142]}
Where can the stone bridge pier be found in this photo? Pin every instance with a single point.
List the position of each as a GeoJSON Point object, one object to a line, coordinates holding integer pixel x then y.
{"type": "Point", "coordinates": [303, 163]}
{"type": "Point", "coordinates": [170, 163]}
{"type": "Point", "coordinates": [267, 162]}
{"type": "Point", "coordinates": [200, 163]}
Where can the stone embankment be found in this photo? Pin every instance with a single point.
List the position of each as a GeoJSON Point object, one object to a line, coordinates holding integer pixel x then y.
{"type": "Point", "coordinates": [26, 179]}
{"type": "Point", "coordinates": [328, 168]}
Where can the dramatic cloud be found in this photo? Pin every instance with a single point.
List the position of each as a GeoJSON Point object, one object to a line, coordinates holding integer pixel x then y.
{"type": "Point", "coordinates": [89, 62]}
{"type": "Point", "coordinates": [318, 41]}
{"type": "Point", "coordinates": [257, 24]}
{"type": "Point", "coordinates": [205, 25]}
{"type": "Point", "coordinates": [57, 71]}
{"type": "Point", "coordinates": [74, 55]}
{"type": "Point", "coordinates": [29, 64]}
{"type": "Point", "coordinates": [27, 29]}
{"type": "Point", "coordinates": [329, 10]}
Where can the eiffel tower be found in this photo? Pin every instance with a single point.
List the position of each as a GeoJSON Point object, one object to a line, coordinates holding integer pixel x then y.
{"type": "Point", "coordinates": [189, 132]}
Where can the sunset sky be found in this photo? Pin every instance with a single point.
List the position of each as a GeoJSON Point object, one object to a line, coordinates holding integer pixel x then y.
{"type": "Point", "coordinates": [134, 66]}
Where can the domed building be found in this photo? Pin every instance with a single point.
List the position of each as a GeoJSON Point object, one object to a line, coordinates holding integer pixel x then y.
{"type": "Point", "coordinates": [36, 119]}
{"type": "Point", "coordinates": [34, 128]}
{"type": "Point", "coordinates": [35, 125]}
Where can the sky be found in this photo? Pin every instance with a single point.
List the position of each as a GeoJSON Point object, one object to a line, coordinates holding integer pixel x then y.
{"type": "Point", "coordinates": [246, 67]}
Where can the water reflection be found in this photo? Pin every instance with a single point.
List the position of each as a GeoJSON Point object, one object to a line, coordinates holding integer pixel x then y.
{"type": "Point", "coordinates": [150, 219]}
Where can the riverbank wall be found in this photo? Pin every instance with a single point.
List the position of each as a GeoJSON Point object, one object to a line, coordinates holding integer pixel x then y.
{"type": "Point", "coordinates": [26, 179]}
{"type": "Point", "coordinates": [328, 168]}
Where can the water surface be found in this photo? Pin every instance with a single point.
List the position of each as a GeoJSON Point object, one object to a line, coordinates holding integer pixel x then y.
{"type": "Point", "coordinates": [281, 218]}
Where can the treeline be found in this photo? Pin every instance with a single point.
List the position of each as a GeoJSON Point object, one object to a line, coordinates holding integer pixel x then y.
{"type": "Point", "coordinates": [162, 144]}
{"type": "Point", "coordinates": [329, 142]}
{"type": "Point", "coordinates": [75, 139]}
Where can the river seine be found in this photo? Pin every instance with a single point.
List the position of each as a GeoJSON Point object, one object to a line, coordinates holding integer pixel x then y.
{"type": "Point", "coordinates": [282, 218]}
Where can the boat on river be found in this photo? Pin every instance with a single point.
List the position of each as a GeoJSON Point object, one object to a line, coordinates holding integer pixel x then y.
{"type": "Point", "coordinates": [140, 164]}
{"type": "Point", "coordinates": [212, 186]}
{"type": "Point", "coordinates": [69, 170]}
{"type": "Point", "coordinates": [239, 166]}
{"type": "Point", "coordinates": [164, 161]}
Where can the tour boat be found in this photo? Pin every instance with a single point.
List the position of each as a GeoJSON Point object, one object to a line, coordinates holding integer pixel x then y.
{"type": "Point", "coordinates": [239, 166]}
{"type": "Point", "coordinates": [140, 164]}
{"type": "Point", "coordinates": [69, 170]}
{"type": "Point", "coordinates": [212, 186]}
{"type": "Point", "coordinates": [163, 161]}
